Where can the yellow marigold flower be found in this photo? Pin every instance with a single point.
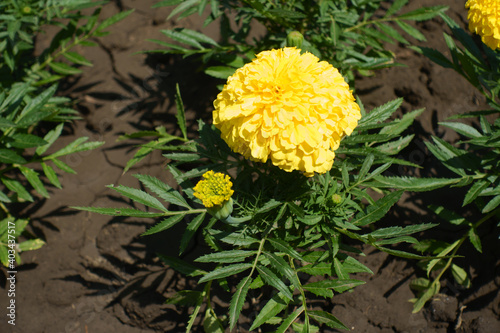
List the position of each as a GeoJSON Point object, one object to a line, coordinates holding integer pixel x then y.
{"type": "Point", "coordinates": [484, 20]}
{"type": "Point", "coordinates": [288, 107]}
{"type": "Point", "coordinates": [214, 189]}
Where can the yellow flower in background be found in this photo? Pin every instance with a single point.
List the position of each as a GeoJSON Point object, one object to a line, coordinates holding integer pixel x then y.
{"type": "Point", "coordinates": [288, 107]}
{"type": "Point", "coordinates": [214, 189]}
{"type": "Point", "coordinates": [484, 20]}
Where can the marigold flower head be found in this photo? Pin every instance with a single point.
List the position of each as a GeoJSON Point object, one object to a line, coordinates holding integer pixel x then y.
{"type": "Point", "coordinates": [288, 107]}
{"type": "Point", "coordinates": [484, 20]}
{"type": "Point", "coordinates": [214, 189]}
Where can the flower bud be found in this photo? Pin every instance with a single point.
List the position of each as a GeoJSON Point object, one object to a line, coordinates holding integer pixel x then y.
{"type": "Point", "coordinates": [223, 211]}
{"type": "Point", "coordinates": [294, 39]}
{"type": "Point", "coordinates": [26, 10]}
{"type": "Point", "coordinates": [336, 199]}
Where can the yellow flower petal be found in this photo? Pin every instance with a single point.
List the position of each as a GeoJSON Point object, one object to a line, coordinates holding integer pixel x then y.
{"type": "Point", "coordinates": [214, 189]}
{"type": "Point", "coordinates": [288, 107]}
{"type": "Point", "coordinates": [484, 20]}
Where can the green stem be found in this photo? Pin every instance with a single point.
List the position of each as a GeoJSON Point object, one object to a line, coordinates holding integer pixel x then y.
{"type": "Point", "coordinates": [462, 240]}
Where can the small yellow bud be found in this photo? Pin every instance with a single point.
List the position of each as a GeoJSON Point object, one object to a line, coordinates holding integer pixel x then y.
{"type": "Point", "coordinates": [336, 199]}
{"type": "Point", "coordinates": [27, 10]}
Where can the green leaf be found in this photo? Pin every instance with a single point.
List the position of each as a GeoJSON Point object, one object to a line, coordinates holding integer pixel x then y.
{"type": "Point", "coordinates": [166, 3]}
{"type": "Point", "coordinates": [395, 7]}
{"type": "Point", "coordinates": [376, 211]}
{"type": "Point", "coordinates": [427, 295]}
{"type": "Point", "coordinates": [238, 300]}
{"type": "Point", "coordinates": [443, 252]}
{"type": "Point", "coordinates": [273, 280]}
{"type": "Point", "coordinates": [211, 323]}
{"type": "Point", "coordinates": [114, 19]}
{"type": "Point", "coordinates": [181, 266]}
{"type": "Point", "coordinates": [475, 239]}
{"type": "Point", "coordinates": [63, 166]}
{"type": "Point", "coordinates": [448, 215]}
{"type": "Point", "coordinates": [424, 13]}
{"type": "Point", "coordinates": [412, 184]}
{"type": "Point", "coordinates": [367, 164]}
{"type": "Point", "coordinates": [185, 298]}
{"type": "Point", "coordinates": [182, 7]}
{"type": "Point", "coordinates": [284, 247]}
{"type": "Point", "coordinates": [32, 244]}
{"type": "Point", "coordinates": [272, 308]}
{"type": "Point", "coordinates": [400, 231]}
{"type": "Point", "coordinates": [327, 319]}
{"type": "Point", "coordinates": [180, 36]}
{"type": "Point", "coordinates": [77, 58]}
{"type": "Point", "coordinates": [9, 156]}
{"type": "Point", "coordinates": [282, 266]}
{"type": "Point", "coordinates": [64, 69]}
{"type": "Point", "coordinates": [224, 271]}
{"type": "Point", "coordinates": [164, 191]}
{"type": "Point", "coordinates": [492, 204]}
{"type": "Point", "coordinates": [32, 177]}
{"type": "Point", "coordinates": [289, 320]}
{"type": "Point", "coordinates": [380, 113]}
{"type": "Point", "coordinates": [191, 228]}
{"type": "Point", "coordinates": [180, 115]}
{"type": "Point", "coordinates": [119, 211]}
{"type": "Point", "coordinates": [51, 175]}
{"type": "Point", "coordinates": [226, 256]}
{"type": "Point", "coordinates": [22, 140]}
{"type": "Point", "coordinates": [415, 33]}
{"type": "Point", "coordinates": [475, 190]}
{"type": "Point", "coordinates": [139, 196]}
{"type": "Point", "coordinates": [50, 138]}
{"type": "Point", "coordinates": [394, 147]}
{"type": "Point", "coordinates": [460, 275]}
{"type": "Point", "coordinates": [17, 187]}
{"type": "Point", "coordinates": [165, 224]}
{"type": "Point", "coordinates": [220, 72]}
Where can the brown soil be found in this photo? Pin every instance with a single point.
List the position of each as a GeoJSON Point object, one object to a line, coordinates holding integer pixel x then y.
{"type": "Point", "coordinates": [97, 275]}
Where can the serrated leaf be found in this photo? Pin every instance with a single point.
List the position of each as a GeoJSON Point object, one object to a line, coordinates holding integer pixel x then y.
{"type": "Point", "coordinates": [226, 256]}
{"type": "Point", "coordinates": [424, 13]}
{"type": "Point", "coordinates": [181, 266]}
{"type": "Point", "coordinates": [163, 190]}
{"type": "Point", "coordinates": [180, 115]}
{"type": "Point", "coordinates": [380, 113]}
{"type": "Point", "coordinates": [475, 190]}
{"type": "Point", "coordinates": [164, 225]}
{"type": "Point", "coordinates": [412, 184]}
{"type": "Point", "coordinates": [327, 319]}
{"type": "Point", "coordinates": [9, 156]}
{"type": "Point", "coordinates": [394, 147]}
{"type": "Point", "coordinates": [119, 211]}
{"type": "Point", "coordinates": [179, 36]}
{"type": "Point", "coordinates": [32, 177]}
{"type": "Point", "coordinates": [50, 138]}
{"type": "Point", "coordinates": [376, 211]}
{"type": "Point", "coordinates": [282, 266]}
{"type": "Point", "coordinates": [191, 229]}
{"type": "Point", "coordinates": [51, 175]}
{"type": "Point", "coordinates": [475, 239]}
{"type": "Point", "coordinates": [185, 298]}
{"type": "Point", "coordinates": [289, 320]}
{"type": "Point", "coordinates": [139, 196]}
{"type": "Point", "coordinates": [22, 140]}
{"type": "Point", "coordinates": [492, 204]}
{"type": "Point", "coordinates": [284, 247]}
{"type": "Point", "coordinates": [238, 300]}
{"type": "Point", "coordinates": [64, 69]}
{"type": "Point", "coordinates": [63, 166]}
{"type": "Point", "coordinates": [401, 231]}
{"type": "Point", "coordinates": [272, 308]}
{"type": "Point", "coordinates": [273, 280]}
{"type": "Point", "coordinates": [113, 19]}
{"type": "Point", "coordinates": [415, 33]}
{"type": "Point", "coordinates": [77, 58]}
{"type": "Point", "coordinates": [17, 187]}
{"type": "Point", "coordinates": [224, 271]}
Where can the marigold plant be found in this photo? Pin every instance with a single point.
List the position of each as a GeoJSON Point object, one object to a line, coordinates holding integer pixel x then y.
{"type": "Point", "coordinates": [484, 20]}
{"type": "Point", "coordinates": [288, 107]}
